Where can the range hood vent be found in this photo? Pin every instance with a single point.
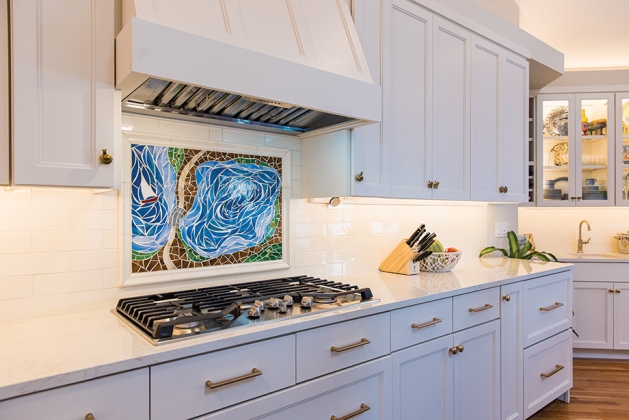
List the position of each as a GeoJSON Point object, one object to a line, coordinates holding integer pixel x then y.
{"type": "Point", "coordinates": [289, 66]}
{"type": "Point", "coordinates": [196, 103]}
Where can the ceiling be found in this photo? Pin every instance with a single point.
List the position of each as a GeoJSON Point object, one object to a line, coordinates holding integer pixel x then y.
{"type": "Point", "coordinates": [591, 34]}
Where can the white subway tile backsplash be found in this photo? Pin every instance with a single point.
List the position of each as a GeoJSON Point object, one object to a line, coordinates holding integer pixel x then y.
{"type": "Point", "coordinates": [52, 284]}
{"type": "Point", "coordinates": [93, 219]}
{"type": "Point", "coordinates": [67, 240]}
{"type": "Point", "coordinates": [15, 198]}
{"type": "Point", "coordinates": [46, 199]}
{"type": "Point", "coordinates": [35, 307]}
{"type": "Point", "coordinates": [34, 263]}
{"type": "Point", "coordinates": [110, 200]}
{"type": "Point", "coordinates": [182, 129]}
{"type": "Point", "coordinates": [305, 259]}
{"type": "Point", "coordinates": [93, 260]}
{"type": "Point", "coordinates": [141, 124]}
{"type": "Point", "coordinates": [110, 239]}
{"type": "Point", "coordinates": [282, 142]}
{"type": "Point", "coordinates": [16, 287]}
{"type": "Point", "coordinates": [33, 220]}
{"type": "Point", "coordinates": [243, 137]}
{"type": "Point", "coordinates": [15, 242]}
{"type": "Point", "coordinates": [313, 230]}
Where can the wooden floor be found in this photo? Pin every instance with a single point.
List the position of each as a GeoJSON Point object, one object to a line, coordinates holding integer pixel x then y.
{"type": "Point", "coordinates": [601, 392]}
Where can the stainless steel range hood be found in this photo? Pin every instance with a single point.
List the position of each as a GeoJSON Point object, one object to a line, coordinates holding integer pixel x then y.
{"type": "Point", "coordinates": [290, 66]}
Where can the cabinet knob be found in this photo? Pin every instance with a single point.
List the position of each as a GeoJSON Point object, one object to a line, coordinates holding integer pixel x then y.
{"type": "Point", "coordinates": [579, 198]}
{"type": "Point", "coordinates": [436, 185]}
{"type": "Point", "coordinates": [573, 198]}
{"type": "Point", "coordinates": [105, 158]}
{"type": "Point", "coordinates": [506, 298]}
{"type": "Point", "coordinates": [90, 416]}
{"type": "Point", "coordinates": [501, 189]}
{"type": "Point", "coordinates": [506, 189]}
{"type": "Point", "coordinates": [430, 184]}
{"type": "Point", "coordinates": [454, 350]}
{"type": "Point", "coordinates": [610, 290]}
{"type": "Point", "coordinates": [360, 177]}
{"type": "Point", "coordinates": [460, 348]}
{"type": "Point", "coordinates": [617, 290]}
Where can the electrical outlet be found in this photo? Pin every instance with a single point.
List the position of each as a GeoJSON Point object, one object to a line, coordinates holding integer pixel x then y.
{"type": "Point", "coordinates": [501, 229]}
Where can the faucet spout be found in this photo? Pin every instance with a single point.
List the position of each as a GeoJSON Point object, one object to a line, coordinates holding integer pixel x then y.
{"type": "Point", "coordinates": [581, 241]}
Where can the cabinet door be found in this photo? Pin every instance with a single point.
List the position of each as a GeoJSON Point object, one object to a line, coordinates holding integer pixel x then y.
{"type": "Point", "coordinates": [477, 373]}
{"type": "Point", "coordinates": [408, 95]}
{"type": "Point", "coordinates": [368, 146]}
{"type": "Point", "coordinates": [621, 131]}
{"type": "Point", "coordinates": [514, 99]}
{"type": "Point", "coordinates": [451, 111]}
{"type": "Point", "coordinates": [485, 121]}
{"type": "Point", "coordinates": [621, 316]}
{"type": "Point", "coordinates": [115, 397]}
{"type": "Point", "coordinates": [4, 94]}
{"type": "Point", "coordinates": [364, 389]}
{"type": "Point", "coordinates": [63, 93]}
{"type": "Point", "coordinates": [593, 315]}
{"type": "Point", "coordinates": [422, 381]}
{"type": "Point", "coordinates": [511, 348]}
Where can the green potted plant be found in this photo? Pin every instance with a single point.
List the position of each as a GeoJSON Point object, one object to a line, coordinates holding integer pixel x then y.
{"type": "Point", "coordinates": [524, 252]}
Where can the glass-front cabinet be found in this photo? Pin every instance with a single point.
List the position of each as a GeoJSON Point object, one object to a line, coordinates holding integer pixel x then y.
{"type": "Point", "coordinates": [575, 152]}
{"type": "Point", "coordinates": [622, 149]}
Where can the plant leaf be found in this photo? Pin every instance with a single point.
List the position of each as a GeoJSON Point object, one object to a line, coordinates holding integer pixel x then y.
{"type": "Point", "coordinates": [552, 256]}
{"type": "Point", "coordinates": [525, 249]}
{"type": "Point", "coordinates": [514, 247]}
{"type": "Point", "coordinates": [540, 256]}
{"type": "Point", "coordinates": [490, 249]}
{"type": "Point", "coordinates": [527, 257]}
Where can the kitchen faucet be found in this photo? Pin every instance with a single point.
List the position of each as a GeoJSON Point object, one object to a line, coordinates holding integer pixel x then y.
{"type": "Point", "coordinates": [581, 241]}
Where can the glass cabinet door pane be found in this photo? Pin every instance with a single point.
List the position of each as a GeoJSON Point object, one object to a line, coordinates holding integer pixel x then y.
{"type": "Point", "coordinates": [624, 160]}
{"type": "Point", "coordinates": [594, 149]}
{"type": "Point", "coordinates": [556, 120]}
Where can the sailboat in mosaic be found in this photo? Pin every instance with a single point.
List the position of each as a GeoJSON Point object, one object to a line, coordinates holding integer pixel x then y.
{"type": "Point", "coordinates": [147, 193]}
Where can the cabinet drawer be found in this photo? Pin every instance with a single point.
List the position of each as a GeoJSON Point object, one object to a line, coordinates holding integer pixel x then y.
{"type": "Point", "coordinates": [338, 394]}
{"type": "Point", "coordinates": [475, 308]}
{"type": "Point", "coordinates": [547, 307]}
{"type": "Point", "coordinates": [547, 371]}
{"type": "Point", "coordinates": [420, 323]}
{"type": "Point", "coordinates": [334, 347]}
{"type": "Point", "coordinates": [121, 396]}
{"type": "Point", "coordinates": [180, 389]}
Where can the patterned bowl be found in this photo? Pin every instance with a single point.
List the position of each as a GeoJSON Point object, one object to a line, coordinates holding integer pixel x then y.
{"type": "Point", "coordinates": [440, 262]}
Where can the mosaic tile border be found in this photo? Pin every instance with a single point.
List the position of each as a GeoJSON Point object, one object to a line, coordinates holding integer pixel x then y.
{"type": "Point", "coordinates": [133, 274]}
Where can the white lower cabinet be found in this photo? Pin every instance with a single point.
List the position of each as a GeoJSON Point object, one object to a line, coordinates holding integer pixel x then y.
{"type": "Point", "coordinates": [601, 316]}
{"type": "Point", "coordinates": [511, 352]}
{"type": "Point", "coordinates": [547, 371]}
{"type": "Point", "coordinates": [363, 391]}
{"type": "Point", "coordinates": [453, 377]}
{"type": "Point", "coordinates": [116, 397]}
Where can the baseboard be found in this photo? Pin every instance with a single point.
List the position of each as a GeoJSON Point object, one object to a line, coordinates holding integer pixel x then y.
{"type": "Point", "coordinates": [600, 354]}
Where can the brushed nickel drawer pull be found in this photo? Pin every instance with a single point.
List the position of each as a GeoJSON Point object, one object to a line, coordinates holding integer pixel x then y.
{"type": "Point", "coordinates": [427, 324]}
{"type": "Point", "coordinates": [363, 341]}
{"type": "Point", "coordinates": [552, 372]}
{"type": "Point", "coordinates": [482, 308]}
{"type": "Point", "coordinates": [90, 416]}
{"type": "Point", "coordinates": [254, 372]}
{"type": "Point", "coordinates": [551, 307]}
{"type": "Point", "coordinates": [362, 409]}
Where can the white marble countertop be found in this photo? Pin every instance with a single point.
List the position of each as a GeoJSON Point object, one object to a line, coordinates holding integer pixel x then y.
{"type": "Point", "coordinates": [608, 257]}
{"type": "Point", "coordinates": [44, 353]}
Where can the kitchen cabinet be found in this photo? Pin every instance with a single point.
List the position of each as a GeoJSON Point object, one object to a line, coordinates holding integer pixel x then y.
{"type": "Point", "coordinates": [4, 94]}
{"type": "Point", "coordinates": [622, 149]}
{"type": "Point", "coordinates": [456, 376]}
{"type": "Point", "coordinates": [363, 391]}
{"type": "Point", "coordinates": [511, 351]}
{"type": "Point", "coordinates": [601, 315]}
{"type": "Point", "coordinates": [115, 397]}
{"type": "Point", "coordinates": [575, 152]}
{"type": "Point", "coordinates": [499, 146]}
{"type": "Point", "coordinates": [63, 92]}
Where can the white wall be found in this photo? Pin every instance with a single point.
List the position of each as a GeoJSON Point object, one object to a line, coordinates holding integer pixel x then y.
{"type": "Point", "coordinates": [557, 229]}
{"type": "Point", "coordinates": [59, 249]}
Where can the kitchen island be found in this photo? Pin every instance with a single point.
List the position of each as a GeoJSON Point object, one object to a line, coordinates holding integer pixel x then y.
{"type": "Point", "coordinates": [54, 352]}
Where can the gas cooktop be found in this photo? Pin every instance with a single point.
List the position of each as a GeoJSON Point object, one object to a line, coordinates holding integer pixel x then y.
{"type": "Point", "coordinates": [166, 317]}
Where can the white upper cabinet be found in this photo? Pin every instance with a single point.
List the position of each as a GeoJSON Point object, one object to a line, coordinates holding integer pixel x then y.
{"type": "Point", "coordinates": [498, 123]}
{"type": "Point", "coordinates": [622, 149]}
{"type": "Point", "coordinates": [63, 92]}
{"type": "Point", "coordinates": [450, 110]}
{"type": "Point", "coordinates": [4, 94]}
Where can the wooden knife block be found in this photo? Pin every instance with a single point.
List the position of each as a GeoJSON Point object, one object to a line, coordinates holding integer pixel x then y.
{"type": "Point", "coordinates": [400, 260]}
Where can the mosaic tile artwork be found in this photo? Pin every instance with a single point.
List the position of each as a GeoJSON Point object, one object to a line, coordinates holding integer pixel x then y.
{"type": "Point", "coordinates": [198, 208]}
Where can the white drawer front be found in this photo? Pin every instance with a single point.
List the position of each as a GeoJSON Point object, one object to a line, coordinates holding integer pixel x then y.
{"type": "Point", "coordinates": [552, 358]}
{"type": "Point", "coordinates": [475, 308]}
{"type": "Point", "coordinates": [121, 396]}
{"type": "Point", "coordinates": [334, 347]}
{"type": "Point", "coordinates": [547, 307]}
{"type": "Point", "coordinates": [420, 323]}
{"type": "Point", "coordinates": [179, 389]}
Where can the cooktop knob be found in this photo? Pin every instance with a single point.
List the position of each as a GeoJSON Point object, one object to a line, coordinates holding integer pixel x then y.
{"type": "Point", "coordinates": [283, 306]}
{"type": "Point", "coordinates": [306, 302]}
{"type": "Point", "coordinates": [254, 311]}
{"type": "Point", "coordinates": [289, 300]}
{"type": "Point", "coordinates": [274, 303]}
{"type": "Point", "coordinates": [259, 304]}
